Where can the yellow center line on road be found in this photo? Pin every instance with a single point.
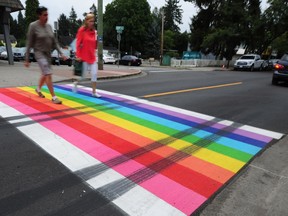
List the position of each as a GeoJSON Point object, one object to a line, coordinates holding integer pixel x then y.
{"type": "Point", "coordinates": [193, 89]}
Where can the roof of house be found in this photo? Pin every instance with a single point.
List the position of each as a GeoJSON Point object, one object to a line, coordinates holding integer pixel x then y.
{"type": "Point", "coordinates": [15, 5]}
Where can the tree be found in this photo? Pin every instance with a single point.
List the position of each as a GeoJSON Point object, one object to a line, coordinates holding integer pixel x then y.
{"type": "Point", "coordinates": [224, 37]}
{"type": "Point", "coordinates": [93, 9]}
{"type": "Point", "coordinates": [74, 23]}
{"type": "Point", "coordinates": [254, 30]}
{"type": "Point", "coordinates": [181, 42]}
{"type": "Point", "coordinates": [30, 12]}
{"type": "Point", "coordinates": [202, 22]}
{"type": "Point", "coordinates": [64, 26]}
{"type": "Point", "coordinates": [21, 27]}
{"type": "Point", "coordinates": [152, 48]}
{"type": "Point", "coordinates": [136, 18]}
{"type": "Point", "coordinates": [220, 26]}
{"type": "Point", "coordinates": [275, 24]}
{"type": "Point", "coordinates": [173, 15]}
{"type": "Point", "coordinates": [280, 44]}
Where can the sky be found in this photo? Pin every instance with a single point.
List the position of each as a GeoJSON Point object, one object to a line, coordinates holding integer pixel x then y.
{"type": "Point", "coordinates": [82, 6]}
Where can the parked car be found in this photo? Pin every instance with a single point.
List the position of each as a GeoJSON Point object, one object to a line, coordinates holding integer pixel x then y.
{"type": "Point", "coordinates": [250, 62]}
{"type": "Point", "coordinates": [271, 63]}
{"type": "Point", "coordinates": [108, 59]}
{"type": "Point", "coordinates": [4, 55]}
{"type": "Point", "coordinates": [2, 49]}
{"type": "Point", "coordinates": [280, 70]}
{"type": "Point", "coordinates": [130, 60]}
{"type": "Point", "coordinates": [31, 55]}
{"type": "Point", "coordinates": [19, 53]}
{"type": "Point", "coordinates": [56, 60]}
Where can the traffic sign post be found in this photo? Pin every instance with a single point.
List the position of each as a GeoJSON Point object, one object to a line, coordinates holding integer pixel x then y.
{"type": "Point", "coordinates": [119, 30]}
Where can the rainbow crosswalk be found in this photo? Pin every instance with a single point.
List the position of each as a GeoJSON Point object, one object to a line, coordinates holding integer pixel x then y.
{"type": "Point", "coordinates": [147, 158]}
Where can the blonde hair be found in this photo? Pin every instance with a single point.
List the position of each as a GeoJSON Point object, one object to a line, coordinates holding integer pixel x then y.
{"type": "Point", "coordinates": [88, 17]}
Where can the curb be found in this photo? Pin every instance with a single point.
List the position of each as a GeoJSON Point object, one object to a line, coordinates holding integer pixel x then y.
{"type": "Point", "coordinates": [119, 76]}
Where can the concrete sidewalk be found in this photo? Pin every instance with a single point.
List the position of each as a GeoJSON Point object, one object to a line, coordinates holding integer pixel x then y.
{"type": "Point", "coordinates": [19, 75]}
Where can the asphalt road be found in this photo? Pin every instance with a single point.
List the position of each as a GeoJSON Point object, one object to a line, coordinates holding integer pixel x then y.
{"type": "Point", "coordinates": [241, 96]}
{"type": "Point", "coordinates": [36, 184]}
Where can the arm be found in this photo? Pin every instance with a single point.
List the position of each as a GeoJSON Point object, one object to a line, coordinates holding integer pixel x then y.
{"type": "Point", "coordinates": [29, 44]}
{"type": "Point", "coordinates": [96, 38]}
{"type": "Point", "coordinates": [79, 39]}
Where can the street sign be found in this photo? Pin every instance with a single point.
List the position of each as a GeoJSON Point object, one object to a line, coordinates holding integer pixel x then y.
{"type": "Point", "coordinates": [118, 37]}
{"type": "Point", "coordinates": [56, 26]}
{"type": "Point", "coordinates": [119, 29]}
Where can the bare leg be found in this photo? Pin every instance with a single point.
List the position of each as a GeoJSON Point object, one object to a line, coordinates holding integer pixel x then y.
{"type": "Point", "coordinates": [48, 79]}
{"type": "Point", "coordinates": [93, 87]}
{"type": "Point", "coordinates": [41, 82]}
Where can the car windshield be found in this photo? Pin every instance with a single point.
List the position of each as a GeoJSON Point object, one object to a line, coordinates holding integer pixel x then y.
{"type": "Point", "coordinates": [247, 57]}
{"type": "Point", "coordinates": [284, 57]}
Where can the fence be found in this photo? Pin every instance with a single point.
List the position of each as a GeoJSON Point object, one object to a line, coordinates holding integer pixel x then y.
{"type": "Point", "coordinates": [199, 63]}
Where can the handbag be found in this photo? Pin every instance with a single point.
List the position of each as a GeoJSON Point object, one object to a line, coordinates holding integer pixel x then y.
{"type": "Point", "coordinates": [78, 68]}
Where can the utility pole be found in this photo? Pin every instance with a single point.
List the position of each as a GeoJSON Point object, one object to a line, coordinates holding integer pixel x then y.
{"type": "Point", "coordinates": [56, 27]}
{"type": "Point", "coordinates": [162, 38]}
{"type": "Point", "coordinates": [100, 34]}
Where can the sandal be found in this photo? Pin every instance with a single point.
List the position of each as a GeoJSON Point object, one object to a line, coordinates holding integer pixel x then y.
{"type": "Point", "coordinates": [39, 93]}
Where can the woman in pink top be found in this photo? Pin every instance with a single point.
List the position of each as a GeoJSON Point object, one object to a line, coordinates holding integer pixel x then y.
{"type": "Point", "coordinates": [86, 44]}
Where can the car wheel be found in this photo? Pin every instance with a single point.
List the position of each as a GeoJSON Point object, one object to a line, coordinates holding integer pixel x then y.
{"type": "Point", "coordinates": [274, 81]}
{"type": "Point", "coordinates": [261, 67]}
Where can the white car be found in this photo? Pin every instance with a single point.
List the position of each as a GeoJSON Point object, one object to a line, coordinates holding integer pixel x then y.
{"type": "Point", "coordinates": [19, 53]}
{"type": "Point", "coordinates": [249, 62]}
{"type": "Point", "coordinates": [4, 55]}
{"type": "Point", "coordinates": [107, 59]}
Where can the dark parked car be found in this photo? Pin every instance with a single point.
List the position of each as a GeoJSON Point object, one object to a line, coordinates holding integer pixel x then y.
{"type": "Point", "coordinates": [56, 60]}
{"type": "Point", "coordinates": [31, 56]}
{"type": "Point", "coordinates": [280, 70]}
{"type": "Point", "coordinates": [130, 60]}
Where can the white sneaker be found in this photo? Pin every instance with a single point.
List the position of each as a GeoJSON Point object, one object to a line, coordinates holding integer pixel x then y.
{"type": "Point", "coordinates": [56, 101]}
{"type": "Point", "coordinates": [74, 89]}
{"type": "Point", "coordinates": [96, 95]}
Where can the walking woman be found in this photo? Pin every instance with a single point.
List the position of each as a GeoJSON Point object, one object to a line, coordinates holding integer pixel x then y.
{"type": "Point", "coordinates": [41, 38]}
{"type": "Point", "coordinates": [86, 42]}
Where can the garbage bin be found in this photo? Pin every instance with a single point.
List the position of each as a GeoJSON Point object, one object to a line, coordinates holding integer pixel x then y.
{"type": "Point", "coordinates": [166, 61]}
